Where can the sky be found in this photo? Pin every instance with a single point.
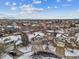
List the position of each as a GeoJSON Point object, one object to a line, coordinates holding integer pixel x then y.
{"type": "Point", "coordinates": [39, 9]}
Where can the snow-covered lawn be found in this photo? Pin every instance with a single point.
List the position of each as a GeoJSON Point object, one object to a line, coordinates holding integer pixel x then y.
{"type": "Point", "coordinates": [25, 49]}
{"type": "Point", "coordinates": [74, 53]}
{"type": "Point", "coordinates": [25, 56]}
{"type": "Point", "coordinates": [6, 56]}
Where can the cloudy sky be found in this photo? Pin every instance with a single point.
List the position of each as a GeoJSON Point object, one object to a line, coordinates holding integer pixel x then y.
{"type": "Point", "coordinates": [39, 9]}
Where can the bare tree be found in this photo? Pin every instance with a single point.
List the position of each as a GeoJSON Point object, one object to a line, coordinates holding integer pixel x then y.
{"type": "Point", "coordinates": [24, 39]}
{"type": "Point", "coordinates": [1, 49]}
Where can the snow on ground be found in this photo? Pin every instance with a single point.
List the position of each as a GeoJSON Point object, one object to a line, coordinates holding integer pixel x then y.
{"type": "Point", "coordinates": [6, 56]}
{"type": "Point", "coordinates": [26, 56]}
{"type": "Point", "coordinates": [25, 49]}
{"type": "Point", "coordinates": [69, 53]}
{"type": "Point", "coordinates": [52, 48]}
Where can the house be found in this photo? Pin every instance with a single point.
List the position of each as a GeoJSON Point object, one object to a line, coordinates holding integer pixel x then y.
{"type": "Point", "coordinates": [9, 41]}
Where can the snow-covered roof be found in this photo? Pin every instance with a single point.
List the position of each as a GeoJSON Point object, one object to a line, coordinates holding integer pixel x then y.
{"type": "Point", "coordinates": [58, 35]}
{"type": "Point", "coordinates": [59, 31]}
{"type": "Point", "coordinates": [38, 33]}
{"type": "Point", "coordinates": [18, 42]}
{"type": "Point", "coordinates": [9, 26]}
{"type": "Point", "coordinates": [50, 31]}
{"type": "Point", "coordinates": [62, 36]}
{"type": "Point", "coordinates": [1, 41]}
{"type": "Point", "coordinates": [12, 38]}
{"type": "Point", "coordinates": [30, 36]}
